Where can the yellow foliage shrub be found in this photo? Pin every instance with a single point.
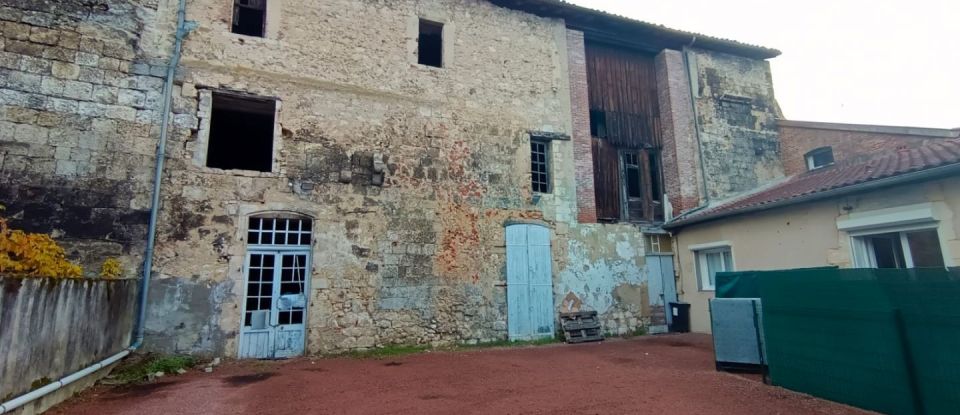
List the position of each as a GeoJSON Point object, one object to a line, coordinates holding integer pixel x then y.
{"type": "Point", "coordinates": [111, 269]}
{"type": "Point", "coordinates": [33, 255]}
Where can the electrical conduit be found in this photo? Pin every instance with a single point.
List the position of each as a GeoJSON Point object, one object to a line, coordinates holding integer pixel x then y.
{"type": "Point", "coordinates": [183, 28]}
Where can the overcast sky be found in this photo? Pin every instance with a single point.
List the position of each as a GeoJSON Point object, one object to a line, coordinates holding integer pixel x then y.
{"type": "Point", "coordinates": [890, 62]}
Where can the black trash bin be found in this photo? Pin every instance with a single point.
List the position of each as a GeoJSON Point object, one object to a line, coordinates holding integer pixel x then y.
{"type": "Point", "coordinates": [681, 317]}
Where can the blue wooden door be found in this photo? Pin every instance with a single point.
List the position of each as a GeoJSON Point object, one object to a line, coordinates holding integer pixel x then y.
{"type": "Point", "coordinates": [529, 282]}
{"type": "Point", "coordinates": [275, 304]}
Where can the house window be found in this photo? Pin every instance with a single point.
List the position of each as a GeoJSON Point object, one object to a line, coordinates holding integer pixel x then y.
{"type": "Point", "coordinates": [659, 243]}
{"type": "Point", "coordinates": [906, 249]}
{"type": "Point", "coordinates": [430, 48]}
{"type": "Point", "coordinates": [539, 166]}
{"type": "Point", "coordinates": [656, 193]}
{"type": "Point", "coordinates": [709, 263]}
{"type": "Point", "coordinates": [241, 133]}
{"type": "Point", "coordinates": [819, 158]}
{"type": "Point", "coordinates": [632, 183]}
{"type": "Point", "coordinates": [598, 124]}
{"type": "Point", "coordinates": [249, 17]}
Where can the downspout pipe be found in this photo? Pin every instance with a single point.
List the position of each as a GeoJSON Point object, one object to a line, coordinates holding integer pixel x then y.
{"type": "Point", "coordinates": [183, 28]}
{"type": "Point", "coordinates": [696, 127]}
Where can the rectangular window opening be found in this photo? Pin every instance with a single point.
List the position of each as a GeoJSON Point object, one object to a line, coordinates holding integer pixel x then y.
{"type": "Point", "coordinates": [709, 263]}
{"type": "Point", "coordinates": [539, 166]}
{"type": "Point", "coordinates": [899, 250]}
{"type": "Point", "coordinates": [598, 124]}
{"type": "Point", "coordinates": [655, 191]}
{"type": "Point", "coordinates": [430, 49]}
{"type": "Point", "coordinates": [819, 158]}
{"type": "Point", "coordinates": [241, 133]}
{"type": "Point", "coordinates": [249, 17]}
{"type": "Point", "coordinates": [634, 183]}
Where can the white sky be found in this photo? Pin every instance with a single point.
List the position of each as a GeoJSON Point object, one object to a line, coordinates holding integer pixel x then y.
{"type": "Point", "coordinates": [888, 62]}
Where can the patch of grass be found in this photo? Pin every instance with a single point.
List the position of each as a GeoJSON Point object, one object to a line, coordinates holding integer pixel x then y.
{"type": "Point", "coordinates": [388, 351]}
{"type": "Point", "coordinates": [137, 370]}
{"type": "Point", "coordinates": [403, 350]}
{"type": "Point", "coordinates": [511, 343]}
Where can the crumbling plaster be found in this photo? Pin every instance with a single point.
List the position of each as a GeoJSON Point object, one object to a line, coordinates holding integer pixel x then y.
{"type": "Point", "coordinates": [420, 258]}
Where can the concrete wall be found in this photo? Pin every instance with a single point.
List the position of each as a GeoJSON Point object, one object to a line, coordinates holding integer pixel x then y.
{"type": "Point", "coordinates": [850, 142]}
{"type": "Point", "coordinates": [52, 328]}
{"type": "Point", "coordinates": [79, 107]}
{"type": "Point", "coordinates": [804, 236]}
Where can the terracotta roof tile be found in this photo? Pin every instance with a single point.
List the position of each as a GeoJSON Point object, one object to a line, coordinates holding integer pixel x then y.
{"type": "Point", "coordinates": [933, 155]}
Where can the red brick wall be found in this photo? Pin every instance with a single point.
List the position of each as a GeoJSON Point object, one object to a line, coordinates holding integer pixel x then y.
{"type": "Point", "coordinates": [680, 156]}
{"type": "Point", "coordinates": [580, 108]}
{"type": "Point", "coordinates": [797, 141]}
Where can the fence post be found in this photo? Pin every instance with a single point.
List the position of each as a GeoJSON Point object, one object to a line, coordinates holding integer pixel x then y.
{"type": "Point", "coordinates": [915, 392]}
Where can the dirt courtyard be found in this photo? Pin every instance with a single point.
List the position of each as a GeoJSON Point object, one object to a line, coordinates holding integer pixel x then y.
{"type": "Point", "coordinates": [670, 374]}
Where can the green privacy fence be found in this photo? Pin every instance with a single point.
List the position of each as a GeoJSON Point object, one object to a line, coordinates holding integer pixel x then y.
{"type": "Point", "coordinates": [885, 340]}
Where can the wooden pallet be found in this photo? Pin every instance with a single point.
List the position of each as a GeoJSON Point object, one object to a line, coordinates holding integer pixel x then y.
{"type": "Point", "coordinates": [581, 327]}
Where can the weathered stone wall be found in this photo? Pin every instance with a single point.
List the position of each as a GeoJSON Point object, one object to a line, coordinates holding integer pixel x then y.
{"type": "Point", "coordinates": [51, 328]}
{"type": "Point", "coordinates": [606, 272]}
{"type": "Point", "coordinates": [419, 258]}
{"type": "Point", "coordinates": [737, 114]}
{"type": "Point", "coordinates": [78, 116]}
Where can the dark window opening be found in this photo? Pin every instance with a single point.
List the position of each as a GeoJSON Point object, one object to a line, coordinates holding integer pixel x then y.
{"type": "Point", "coordinates": [241, 133]}
{"type": "Point", "coordinates": [655, 192]}
{"type": "Point", "coordinates": [887, 250]}
{"type": "Point", "coordinates": [249, 17]}
{"type": "Point", "coordinates": [631, 169]}
{"type": "Point", "coordinates": [598, 124]}
{"type": "Point", "coordinates": [925, 249]}
{"type": "Point", "coordinates": [430, 50]}
{"type": "Point", "coordinates": [539, 167]}
{"type": "Point", "coordinates": [819, 158]}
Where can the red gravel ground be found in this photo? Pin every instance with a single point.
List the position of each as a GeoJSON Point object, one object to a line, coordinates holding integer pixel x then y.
{"type": "Point", "coordinates": [670, 374]}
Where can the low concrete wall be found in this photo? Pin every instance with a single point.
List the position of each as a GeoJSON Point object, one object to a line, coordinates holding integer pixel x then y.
{"type": "Point", "coordinates": [51, 328]}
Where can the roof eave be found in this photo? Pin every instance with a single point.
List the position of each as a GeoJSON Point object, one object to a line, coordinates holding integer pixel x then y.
{"type": "Point", "coordinates": [927, 174]}
{"type": "Point", "coordinates": [666, 38]}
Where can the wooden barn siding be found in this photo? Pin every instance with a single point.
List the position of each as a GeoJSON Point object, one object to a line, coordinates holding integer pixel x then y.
{"type": "Point", "coordinates": [623, 84]}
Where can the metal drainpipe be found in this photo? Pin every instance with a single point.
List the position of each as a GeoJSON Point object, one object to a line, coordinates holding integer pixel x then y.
{"type": "Point", "coordinates": [183, 28]}
{"type": "Point", "coordinates": [696, 126]}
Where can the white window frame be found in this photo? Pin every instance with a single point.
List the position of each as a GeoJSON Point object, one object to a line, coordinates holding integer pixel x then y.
{"type": "Point", "coordinates": [900, 219]}
{"type": "Point", "coordinates": [700, 251]}
{"type": "Point", "coordinates": [810, 157]}
{"type": "Point", "coordinates": [865, 257]}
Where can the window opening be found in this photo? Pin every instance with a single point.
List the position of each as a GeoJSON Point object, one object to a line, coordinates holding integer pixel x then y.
{"type": "Point", "coordinates": [912, 249]}
{"type": "Point", "coordinates": [598, 124]}
{"type": "Point", "coordinates": [249, 17]}
{"type": "Point", "coordinates": [631, 167]}
{"type": "Point", "coordinates": [539, 166]}
{"type": "Point", "coordinates": [711, 262]}
{"type": "Point", "coordinates": [659, 243]}
{"type": "Point", "coordinates": [819, 158]}
{"type": "Point", "coordinates": [279, 231]}
{"type": "Point", "coordinates": [430, 50]}
{"type": "Point", "coordinates": [656, 192]}
{"type": "Point", "coordinates": [241, 133]}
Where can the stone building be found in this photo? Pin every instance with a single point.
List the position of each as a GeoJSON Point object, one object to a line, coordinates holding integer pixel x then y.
{"type": "Point", "coordinates": [349, 174]}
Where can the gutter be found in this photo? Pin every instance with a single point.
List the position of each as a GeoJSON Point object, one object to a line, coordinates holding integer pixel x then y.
{"type": "Point", "coordinates": [183, 28]}
{"type": "Point", "coordinates": [934, 173]}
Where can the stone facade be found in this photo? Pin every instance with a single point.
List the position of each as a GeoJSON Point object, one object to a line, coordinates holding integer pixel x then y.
{"type": "Point", "coordinates": [79, 110]}
{"type": "Point", "coordinates": [409, 173]}
{"type": "Point", "coordinates": [737, 114]}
